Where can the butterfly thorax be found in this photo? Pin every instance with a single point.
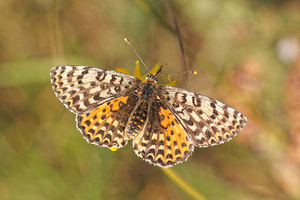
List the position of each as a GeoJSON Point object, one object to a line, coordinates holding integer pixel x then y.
{"type": "Point", "coordinates": [148, 89]}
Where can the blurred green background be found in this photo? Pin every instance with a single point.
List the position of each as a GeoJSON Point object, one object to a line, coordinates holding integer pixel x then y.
{"type": "Point", "coordinates": [247, 55]}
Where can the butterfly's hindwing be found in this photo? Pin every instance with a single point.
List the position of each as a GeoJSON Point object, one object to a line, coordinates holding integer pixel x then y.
{"type": "Point", "coordinates": [163, 141]}
{"type": "Point", "coordinates": [207, 121]}
{"type": "Point", "coordinates": [83, 88]}
{"type": "Point", "coordinates": [105, 125]}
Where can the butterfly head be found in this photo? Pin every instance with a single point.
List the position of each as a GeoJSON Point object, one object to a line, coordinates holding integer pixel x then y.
{"type": "Point", "coordinates": [153, 76]}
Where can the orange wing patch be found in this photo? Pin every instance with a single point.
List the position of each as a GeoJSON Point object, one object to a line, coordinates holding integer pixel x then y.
{"type": "Point", "coordinates": [177, 144]}
{"type": "Point", "coordinates": [102, 125]}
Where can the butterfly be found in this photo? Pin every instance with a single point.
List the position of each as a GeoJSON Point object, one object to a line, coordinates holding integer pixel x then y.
{"type": "Point", "coordinates": [164, 122]}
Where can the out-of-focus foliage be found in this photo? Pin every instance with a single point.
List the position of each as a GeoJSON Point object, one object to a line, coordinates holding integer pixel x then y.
{"type": "Point", "coordinates": [246, 52]}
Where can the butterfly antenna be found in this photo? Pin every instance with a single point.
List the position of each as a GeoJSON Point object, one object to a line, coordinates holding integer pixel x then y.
{"type": "Point", "coordinates": [194, 72]}
{"type": "Point", "coordinates": [136, 53]}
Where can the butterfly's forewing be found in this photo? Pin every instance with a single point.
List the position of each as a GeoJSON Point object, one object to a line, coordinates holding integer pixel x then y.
{"type": "Point", "coordinates": [83, 88]}
{"type": "Point", "coordinates": [207, 121]}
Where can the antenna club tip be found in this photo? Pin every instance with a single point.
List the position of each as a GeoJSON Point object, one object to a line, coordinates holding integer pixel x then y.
{"type": "Point", "coordinates": [194, 72]}
{"type": "Point", "coordinates": [126, 40]}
